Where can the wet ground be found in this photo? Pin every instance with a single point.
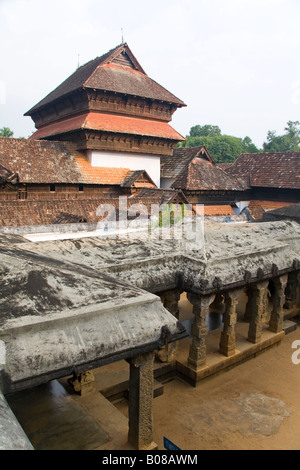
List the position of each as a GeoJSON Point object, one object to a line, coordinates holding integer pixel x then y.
{"type": "Point", "coordinates": [253, 406]}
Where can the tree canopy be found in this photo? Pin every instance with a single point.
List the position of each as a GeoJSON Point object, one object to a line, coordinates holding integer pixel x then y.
{"type": "Point", "coordinates": [223, 148]}
{"type": "Point", "coordinates": [6, 132]}
{"type": "Point", "coordinates": [226, 148]}
{"type": "Point", "coordinates": [288, 142]}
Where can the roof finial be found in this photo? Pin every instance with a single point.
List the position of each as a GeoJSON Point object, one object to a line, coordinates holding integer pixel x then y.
{"type": "Point", "coordinates": [122, 36]}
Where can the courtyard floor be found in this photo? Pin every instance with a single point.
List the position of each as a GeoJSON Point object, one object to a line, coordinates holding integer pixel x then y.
{"type": "Point", "coordinates": [253, 406]}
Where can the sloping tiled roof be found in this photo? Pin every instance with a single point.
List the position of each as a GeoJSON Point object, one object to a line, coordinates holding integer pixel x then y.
{"type": "Point", "coordinates": [41, 212]}
{"type": "Point", "coordinates": [7, 176]}
{"type": "Point", "coordinates": [46, 162]}
{"type": "Point", "coordinates": [101, 74]}
{"type": "Point", "coordinates": [224, 165]}
{"type": "Point", "coordinates": [257, 209]}
{"type": "Point", "coordinates": [172, 166]}
{"type": "Point", "coordinates": [199, 174]}
{"type": "Point", "coordinates": [276, 170]}
{"type": "Point", "coordinates": [110, 123]}
{"type": "Point", "coordinates": [218, 210]}
{"type": "Point", "coordinates": [290, 212]}
{"type": "Point", "coordinates": [40, 161]}
{"type": "Point", "coordinates": [132, 180]}
{"type": "Point", "coordinates": [162, 196]}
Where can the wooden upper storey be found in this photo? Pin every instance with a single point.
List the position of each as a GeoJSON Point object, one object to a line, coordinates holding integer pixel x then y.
{"type": "Point", "coordinates": [113, 83]}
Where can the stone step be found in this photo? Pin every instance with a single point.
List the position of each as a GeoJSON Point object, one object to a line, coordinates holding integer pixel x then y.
{"type": "Point", "coordinates": [289, 326]}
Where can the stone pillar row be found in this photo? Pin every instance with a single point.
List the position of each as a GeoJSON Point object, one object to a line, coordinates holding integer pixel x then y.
{"type": "Point", "coordinates": [255, 314]}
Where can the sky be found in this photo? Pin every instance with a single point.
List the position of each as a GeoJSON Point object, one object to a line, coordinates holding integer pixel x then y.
{"type": "Point", "coordinates": [235, 63]}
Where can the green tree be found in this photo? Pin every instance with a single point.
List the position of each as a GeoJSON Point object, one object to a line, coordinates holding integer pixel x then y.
{"type": "Point", "coordinates": [223, 148]}
{"type": "Point", "coordinates": [288, 142]}
{"type": "Point", "coordinates": [205, 131]}
{"type": "Point", "coordinates": [249, 146]}
{"type": "Point", "coordinates": [6, 132]}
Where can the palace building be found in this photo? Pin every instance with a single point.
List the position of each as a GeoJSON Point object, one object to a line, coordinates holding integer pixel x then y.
{"type": "Point", "coordinates": [113, 111]}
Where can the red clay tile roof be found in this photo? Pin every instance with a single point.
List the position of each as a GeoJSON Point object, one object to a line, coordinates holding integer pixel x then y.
{"type": "Point", "coordinates": [7, 176]}
{"type": "Point", "coordinates": [257, 209]}
{"type": "Point", "coordinates": [173, 165]}
{"type": "Point", "coordinates": [46, 162]}
{"type": "Point", "coordinates": [20, 213]}
{"type": "Point", "coordinates": [270, 205]}
{"type": "Point", "coordinates": [110, 123]}
{"type": "Point", "coordinates": [138, 179]}
{"type": "Point", "coordinates": [101, 74]}
{"type": "Point", "coordinates": [200, 174]}
{"type": "Point", "coordinates": [224, 166]}
{"type": "Point", "coordinates": [276, 170]}
{"type": "Point", "coordinates": [163, 196]}
{"type": "Point", "coordinates": [215, 211]}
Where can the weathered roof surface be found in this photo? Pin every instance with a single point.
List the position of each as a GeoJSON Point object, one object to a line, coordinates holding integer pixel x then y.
{"type": "Point", "coordinates": [73, 306]}
{"type": "Point", "coordinates": [173, 165]}
{"type": "Point", "coordinates": [257, 209]}
{"type": "Point", "coordinates": [46, 162]}
{"type": "Point", "coordinates": [163, 196]}
{"type": "Point", "coordinates": [110, 123]}
{"type": "Point", "coordinates": [40, 161]}
{"type": "Point", "coordinates": [138, 179]}
{"type": "Point", "coordinates": [42, 212]}
{"type": "Point", "coordinates": [224, 165]}
{"type": "Point", "coordinates": [199, 174]}
{"type": "Point", "coordinates": [218, 210]}
{"type": "Point", "coordinates": [7, 176]}
{"type": "Point", "coordinates": [67, 316]}
{"type": "Point", "coordinates": [194, 169]}
{"type": "Point", "coordinates": [101, 74]}
{"type": "Point", "coordinates": [276, 170]}
{"type": "Point", "coordinates": [291, 211]}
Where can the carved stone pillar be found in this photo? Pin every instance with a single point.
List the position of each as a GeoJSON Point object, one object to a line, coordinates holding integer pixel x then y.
{"type": "Point", "coordinates": [276, 319]}
{"type": "Point", "coordinates": [228, 340]}
{"type": "Point", "coordinates": [258, 292]}
{"type": "Point", "coordinates": [170, 300]}
{"type": "Point", "coordinates": [250, 303]}
{"type": "Point", "coordinates": [298, 290]}
{"type": "Point", "coordinates": [291, 290]}
{"type": "Point", "coordinates": [140, 433]}
{"type": "Point", "coordinates": [197, 354]}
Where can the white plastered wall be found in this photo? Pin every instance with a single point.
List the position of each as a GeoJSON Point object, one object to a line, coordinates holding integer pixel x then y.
{"type": "Point", "coordinates": [150, 163]}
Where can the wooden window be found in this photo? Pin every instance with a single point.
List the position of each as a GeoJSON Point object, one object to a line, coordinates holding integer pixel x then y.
{"type": "Point", "coordinates": [80, 187]}
{"type": "Point", "coordinates": [52, 188]}
{"type": "Point", "coordinates": [22, 194]}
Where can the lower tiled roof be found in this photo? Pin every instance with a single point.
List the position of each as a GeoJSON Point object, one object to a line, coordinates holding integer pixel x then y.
{"type": "Point", "coordinates": [50, 162]}
{"type": "Point", "coordinates": [257, 209]}
{"type": "Point", "coordinates": [110, 123]}
{"type": "Point", "coordinates": [275, 170]}
{"type": "Point", "coordinates": [21, 213]}
{"type": "Point", "coordinates": [199, 174]}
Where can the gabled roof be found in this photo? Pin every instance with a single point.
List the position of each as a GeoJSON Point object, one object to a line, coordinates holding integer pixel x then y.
{"type": "Point", "coordinates": [194, 169]}
{"type": "Point", "coordinates": [172, 166]}
{"type": "Point", "coordinates": [110, 123]}
{"type": "Point", "coordinates": [138, 179]}
{"type": "Point", "coordinates": [275, 170]}
{"type": "Point", "coordinates": [117, 71]}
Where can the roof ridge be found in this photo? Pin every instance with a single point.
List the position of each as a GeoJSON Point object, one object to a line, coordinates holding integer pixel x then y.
{"type": "Point", "coordinates": [93, 62]}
